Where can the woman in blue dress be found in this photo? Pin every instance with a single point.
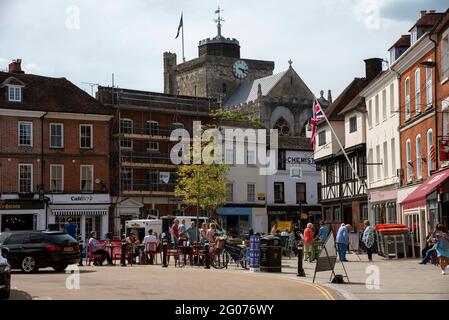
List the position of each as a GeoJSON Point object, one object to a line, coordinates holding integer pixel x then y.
{"type": "Point", "coordinates": [442, 239]}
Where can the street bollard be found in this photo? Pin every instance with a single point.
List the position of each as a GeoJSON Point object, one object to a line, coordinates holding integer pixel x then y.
{"type": "Point", "coordinates": [207, 255]}
{"type": "Point", "coordinates": [164, 253]}
{"type": "Point", "coordinates": [123, 258]}
{"type": "Point", "coordinates": [80, 264]}
{"type": "Point", "coordinates": [301, 272]}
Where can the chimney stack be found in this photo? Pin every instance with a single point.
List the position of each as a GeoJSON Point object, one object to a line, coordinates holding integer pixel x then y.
{"type": "Point", "coordinates": [423, 13]}
{"type": "Point", "coordinates": [15, 66]}
{"type": "Point", "coordinates": [373, 67]}
{"type": "Point", "coordinates": [432, 11]}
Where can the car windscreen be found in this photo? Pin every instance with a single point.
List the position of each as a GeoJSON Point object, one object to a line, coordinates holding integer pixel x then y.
{"type": "Point", "coordinates": [59, 238]}
{"type": "Point", "coordinates": [3, 237]}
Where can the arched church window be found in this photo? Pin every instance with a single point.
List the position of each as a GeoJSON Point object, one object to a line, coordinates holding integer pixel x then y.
{"type": "Point", "coordinates": [283, 127]}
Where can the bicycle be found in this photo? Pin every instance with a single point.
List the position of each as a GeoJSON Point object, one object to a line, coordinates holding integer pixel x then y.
{"type": "Point", "coordinates": [221, 256]}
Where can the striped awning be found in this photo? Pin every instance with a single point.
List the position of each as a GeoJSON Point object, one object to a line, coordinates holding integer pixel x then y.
{"type": "Point", "coordinates": [79, 212]}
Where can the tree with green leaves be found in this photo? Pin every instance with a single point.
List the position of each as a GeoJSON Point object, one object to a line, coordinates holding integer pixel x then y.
{"type": "Point", "coordinates": [203, 185]}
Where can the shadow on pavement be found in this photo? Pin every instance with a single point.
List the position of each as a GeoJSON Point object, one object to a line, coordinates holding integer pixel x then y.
{"type": "Point", "coordinates": [49, 272]}
{"type": "Point", "coordinates": [19, 295]}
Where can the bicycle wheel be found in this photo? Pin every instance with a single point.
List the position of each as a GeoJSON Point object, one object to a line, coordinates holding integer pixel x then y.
{"type": "Point", "coordinates": [220, 260]}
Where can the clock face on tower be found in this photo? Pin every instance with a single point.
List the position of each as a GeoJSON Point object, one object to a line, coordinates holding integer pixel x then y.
{"type": "Point", "coordinates": [240, 69]}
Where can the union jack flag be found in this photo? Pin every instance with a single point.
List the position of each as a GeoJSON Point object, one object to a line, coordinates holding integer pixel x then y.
{"type": "Point", "coordinates": [317, 112]}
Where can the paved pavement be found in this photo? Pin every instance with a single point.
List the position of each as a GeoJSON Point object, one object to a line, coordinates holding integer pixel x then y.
{"type": "Point", "coordinates": [155, 282]}
{"type": "Point", "coordinates": [398, 279]}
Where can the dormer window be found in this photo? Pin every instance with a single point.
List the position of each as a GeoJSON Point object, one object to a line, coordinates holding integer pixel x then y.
{"type": "Point", "coordinates": [414, 36]}
{"type": "Point", "coordinates": [14, 93]}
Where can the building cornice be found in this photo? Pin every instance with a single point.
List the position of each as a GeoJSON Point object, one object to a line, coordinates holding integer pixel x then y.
{"type": "Point", "coordinates": [413, 54]}
{"type": "Point", "coordinates": [379, 84]}
{"type": "Point", "coordinates": [21, 113]}
{"type": "Point", "coordinates": [79, 116]}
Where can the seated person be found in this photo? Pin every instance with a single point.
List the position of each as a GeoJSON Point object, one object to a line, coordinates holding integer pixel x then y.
{"type": "Point", "coordinates": [95, 247]}
{"type": "Point", "coordinates": [150, 238]}
{"type": "Point", "coordinates": [130, 241]}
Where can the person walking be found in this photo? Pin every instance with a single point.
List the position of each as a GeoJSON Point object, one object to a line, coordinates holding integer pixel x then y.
{"type": "Point", "coordinates": [308, 241]}
{"type": "Point", "coordinates": [368, 239]}
{"type": "Point", "coordinates": [343, 241]}
{"type": "Point", "coordinates": [442, 239]}
{"type": "Point", "coordinates": [323, 233]}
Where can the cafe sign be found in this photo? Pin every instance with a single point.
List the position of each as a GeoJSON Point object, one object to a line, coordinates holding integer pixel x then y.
{"type": "Point", "coordinates": [20, 204]}
{"type": "Point", "coordinates": [80, 198]}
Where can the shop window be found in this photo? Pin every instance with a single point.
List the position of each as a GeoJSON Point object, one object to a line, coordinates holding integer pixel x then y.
{"type": "Point", "coordinates": [364, 212]}
{"type": "Point", "coordinates": [327, 214]}
{"type": "Point", "coordinates": [392, 217]}
{"type": "Point", "coordinates": [337, 214]}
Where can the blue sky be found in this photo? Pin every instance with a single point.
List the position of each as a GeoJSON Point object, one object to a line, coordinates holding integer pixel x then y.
{"type": "Point", "coordinates": [88, 40]}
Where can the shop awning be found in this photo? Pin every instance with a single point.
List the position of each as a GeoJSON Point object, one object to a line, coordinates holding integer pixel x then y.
{"type": "Point", "coordinates": [79, 212]}
{"type": "Point", "coordinates": [418, 197]}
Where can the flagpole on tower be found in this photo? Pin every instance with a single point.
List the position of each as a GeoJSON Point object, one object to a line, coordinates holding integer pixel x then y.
{"type": "Point", "coordinates": [183, 56]}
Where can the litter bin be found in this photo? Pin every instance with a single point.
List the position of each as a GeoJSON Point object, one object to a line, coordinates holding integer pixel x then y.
{"type": "Point", "coordinates": [270, 254]}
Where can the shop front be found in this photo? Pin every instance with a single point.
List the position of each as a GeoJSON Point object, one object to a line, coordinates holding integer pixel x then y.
{"type": "Point", "coordinates": [90, 212]}
{"type": "Point", "coordinates": [423, 208]}
{"type": "Point", "coordinates": [236, 220]}
{"type": "Point", "coordinates": [383, 207]}
{"type": "Point", "coordinates": [296, 215]}
{"type": "Point", "coordinates": [22, 214]}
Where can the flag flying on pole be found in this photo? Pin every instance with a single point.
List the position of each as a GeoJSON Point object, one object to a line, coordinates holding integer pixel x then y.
{"type": "Point", "coordinates": [181, 25]}
{"type": "Point", "coordinates": [313, 129]}
{"type": "Point", "coordinates": [317, 112]}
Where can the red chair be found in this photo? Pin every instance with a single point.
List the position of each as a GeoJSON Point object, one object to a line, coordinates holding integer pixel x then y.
{"type": "Point", "coordinates": [91, 255]}
{"type": "Point", "coordinates": [176, 253]}
{"type": "Point", "coordinates": [117, 251]}
{"type": "Point", "coordinates": [151, 248]}
{"type": "Point", "coordinates": [198, 251]}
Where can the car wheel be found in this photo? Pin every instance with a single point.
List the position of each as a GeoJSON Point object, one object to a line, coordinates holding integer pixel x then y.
{"type": "Point", "coordinates": [29, 264]}
{"type": "Point", "coordinates": [60, 267]}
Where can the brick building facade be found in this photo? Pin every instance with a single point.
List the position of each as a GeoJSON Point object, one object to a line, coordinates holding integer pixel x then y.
{"type": "Point", "coordinates": [54, 154]}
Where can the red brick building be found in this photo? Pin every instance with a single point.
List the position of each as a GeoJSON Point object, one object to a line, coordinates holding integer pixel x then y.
{"type": "Point", "coordinates": [54, 154]}
{"type": "Point", "coordinates": [420, 128]}
{"type": "Point", "coordinates": [141, 147]}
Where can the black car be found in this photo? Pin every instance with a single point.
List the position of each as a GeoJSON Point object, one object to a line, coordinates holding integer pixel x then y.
{"type": "Point", "coordinates": [5, 275]}
{"type": "Point", "coordinates": [31, 250]}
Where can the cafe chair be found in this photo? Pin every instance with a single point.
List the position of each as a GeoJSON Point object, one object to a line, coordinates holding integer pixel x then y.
{"type": "Point", "coordinates": [91, 255]}
{"type": "Point", "coordinates": [150, 249]}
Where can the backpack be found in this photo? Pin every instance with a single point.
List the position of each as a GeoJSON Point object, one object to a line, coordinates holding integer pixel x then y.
{"type": "Point", "coordinates": [338, 279]}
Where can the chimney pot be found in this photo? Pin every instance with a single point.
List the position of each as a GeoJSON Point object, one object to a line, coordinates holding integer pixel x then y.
{"type": "Point", "coordinates": [423, 13]}
{"type": "Point", "coordinates": [329, 96]}
{"type": "Point", "coordinates": [15, 66]}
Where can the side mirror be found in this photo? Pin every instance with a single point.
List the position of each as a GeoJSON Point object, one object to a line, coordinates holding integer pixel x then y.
{"type": "Point", "coordinates": [5, 252]}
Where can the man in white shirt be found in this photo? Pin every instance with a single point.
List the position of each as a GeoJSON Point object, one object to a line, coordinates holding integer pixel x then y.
{"type": "Point", "coordinates": [150, 237]}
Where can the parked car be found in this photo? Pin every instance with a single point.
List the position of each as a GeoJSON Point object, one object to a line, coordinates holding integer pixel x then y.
{"type": "Point", "coordinates": [5, 274]}
{"type": "Point", "coordinates": [31, 250]}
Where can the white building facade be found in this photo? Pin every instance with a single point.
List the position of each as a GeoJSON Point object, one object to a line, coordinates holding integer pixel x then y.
{"type": "Point", "coordinates": [383, 147]}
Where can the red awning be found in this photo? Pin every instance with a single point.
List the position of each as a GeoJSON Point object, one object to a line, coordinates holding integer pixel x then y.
{"type": "Point", "coordinates": [418, 197]}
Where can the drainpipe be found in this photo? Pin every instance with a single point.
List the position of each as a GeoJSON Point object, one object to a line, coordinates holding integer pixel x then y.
{"type": "Point", "coordinates": [437, 147]}
{"type": "Point", "coordinates": [42, 169]}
